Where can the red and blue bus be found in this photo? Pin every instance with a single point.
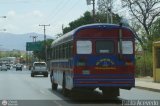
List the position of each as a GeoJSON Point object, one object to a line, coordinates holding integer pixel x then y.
{"type": "Point", "coordinates": [94, 56]}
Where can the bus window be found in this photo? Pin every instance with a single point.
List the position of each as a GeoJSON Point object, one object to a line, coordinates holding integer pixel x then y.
{"type": "Point", "coordinates": [127, 47]}
{"type": "Point", "coordinates": [104, 46]}
{"type": "Point", "coordinates": [65, 51]}
{"type": "Point", "coordinates": [84, 47]}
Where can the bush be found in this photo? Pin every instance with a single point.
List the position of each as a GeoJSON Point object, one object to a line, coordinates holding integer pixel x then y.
{"type": "Point", "coordinates": [144, 64]}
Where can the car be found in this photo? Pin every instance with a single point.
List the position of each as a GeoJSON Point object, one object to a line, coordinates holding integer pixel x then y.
{"type": "Point", "coordinates": [4, 67]}
{"type": "Point", "coordinates": [18, 67]}
{"type": "Point", "coordinates": [14, 66]}
{"type": "Point", "coordinates": [39, 68]}
{"type": "Point", "coordinates": [8, 66]}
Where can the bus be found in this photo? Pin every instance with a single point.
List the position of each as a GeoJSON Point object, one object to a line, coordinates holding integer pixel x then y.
{"type": "Point", "coordinates": [94, 56]}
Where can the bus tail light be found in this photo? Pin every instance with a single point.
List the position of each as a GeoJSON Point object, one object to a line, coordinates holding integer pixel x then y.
{"type": "Point", "coordinates": [129, 64]}
{"type": "Point", "coordinates": [82, 61]}
{"type": "Point", "coordinates": [127, 61]}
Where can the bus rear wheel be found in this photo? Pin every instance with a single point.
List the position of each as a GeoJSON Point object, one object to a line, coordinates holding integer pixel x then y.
{"type": "Point", "coordinates": [110, 93]}
{"type": "Point", "coordinates": [54, 86]}
{"type": "Point", "coordinates": [65, 91]}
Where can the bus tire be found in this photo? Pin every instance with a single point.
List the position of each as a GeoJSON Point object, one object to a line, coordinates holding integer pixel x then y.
{"type": "Point", "coordinates": [65, 91]}
{"type": "Point", "coordinates": [54, 86]}
{"type": "Point", "coordinates": [110, 93]}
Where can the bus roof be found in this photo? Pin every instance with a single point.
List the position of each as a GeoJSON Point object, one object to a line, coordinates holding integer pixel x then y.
{"type": "Point", "coordinates": [70, 35]}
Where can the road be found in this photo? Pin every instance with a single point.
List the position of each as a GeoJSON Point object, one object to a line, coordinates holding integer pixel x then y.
{"type": "Point", "coordinates": [18, 88]}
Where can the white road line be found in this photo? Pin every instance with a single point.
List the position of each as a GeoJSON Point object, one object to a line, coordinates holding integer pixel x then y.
{"type": "Point", "coordinates": [57, 103]}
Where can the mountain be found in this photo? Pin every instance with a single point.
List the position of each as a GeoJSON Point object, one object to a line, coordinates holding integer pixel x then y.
{"type": "Point", "coordinates": [9, 41]}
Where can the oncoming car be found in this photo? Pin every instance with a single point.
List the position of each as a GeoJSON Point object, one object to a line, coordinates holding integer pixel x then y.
{"type": "Point", "coordinates": [39, 68]}
{"type": "Point", "coordinates": [4, 67]}
{"type": "Point", "coordinates": [18, 67]}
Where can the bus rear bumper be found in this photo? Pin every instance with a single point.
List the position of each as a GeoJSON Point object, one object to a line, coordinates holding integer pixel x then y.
{"type": "Point", "coordinates": [122, 81]}
{"type": "Point", "coordinates": [104, 83]}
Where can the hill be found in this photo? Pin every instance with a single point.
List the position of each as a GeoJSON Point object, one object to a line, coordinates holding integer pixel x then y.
{"type": "Point", "coordinates": [9, 41]}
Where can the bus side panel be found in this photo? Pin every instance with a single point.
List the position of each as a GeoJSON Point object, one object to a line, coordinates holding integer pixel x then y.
{"type": "Point", "coordinates": [58, 77]}
{"type": "Point", "coordinates": [69, 80]}
{"type": "Point", "coordinates": [63, 70]}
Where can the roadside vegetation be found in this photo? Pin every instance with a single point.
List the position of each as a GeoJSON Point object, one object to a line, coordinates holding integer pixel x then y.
{"type": "Point", "coordinates": [144, 19]}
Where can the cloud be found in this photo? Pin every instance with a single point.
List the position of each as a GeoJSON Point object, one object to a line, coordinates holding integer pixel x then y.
{"type": "Point", "coordinates": [11, 13]}
{"type": "Point", "coordinates": [37, 13]}
{"type": "Point", "coordinates": [11, 27]}
{"type": "Point", "coordinates": [17, 22]}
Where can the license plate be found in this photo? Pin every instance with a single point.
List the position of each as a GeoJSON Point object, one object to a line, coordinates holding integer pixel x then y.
{"type": "Point", "coordinates": [86, 72]}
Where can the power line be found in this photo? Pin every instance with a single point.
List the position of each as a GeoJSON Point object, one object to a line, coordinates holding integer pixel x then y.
{"type": "Point", "coordinates": [70, 9]}
{"type": "Point", "coordinates": [52, 11]}
{"type": "Point", "coordinates": [53, 14]}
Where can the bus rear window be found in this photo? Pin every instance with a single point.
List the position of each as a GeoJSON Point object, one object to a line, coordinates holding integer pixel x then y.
{"type": "Point", "coordinates": [104, 46]}
{"type": "Point", "coordinates": [127, 47]}
{"type": "Point", "coordinates": [84, 47]}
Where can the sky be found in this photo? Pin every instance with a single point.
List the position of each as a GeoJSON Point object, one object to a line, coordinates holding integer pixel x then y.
{"type": "Point", "coordinates": [24, 16]}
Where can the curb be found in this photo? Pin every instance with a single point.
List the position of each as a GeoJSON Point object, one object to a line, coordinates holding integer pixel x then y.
{"type": "Point", "coordinates": [149, 89]}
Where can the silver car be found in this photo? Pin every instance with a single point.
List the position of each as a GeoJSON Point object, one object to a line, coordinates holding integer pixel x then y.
{"type": "Point", "coordinates": [4, 67]}
{"type": "Point", "coordinates": [39, 68]}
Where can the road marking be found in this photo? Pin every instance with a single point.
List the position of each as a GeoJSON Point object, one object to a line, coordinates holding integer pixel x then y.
{"type": "Point", "coordinates": [57, 103]}
{"type": "Point", "coordinates": [45, 92]}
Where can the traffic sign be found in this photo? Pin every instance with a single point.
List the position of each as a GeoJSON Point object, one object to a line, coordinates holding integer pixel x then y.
{"type": "Point", "coordinates": [34, 46]}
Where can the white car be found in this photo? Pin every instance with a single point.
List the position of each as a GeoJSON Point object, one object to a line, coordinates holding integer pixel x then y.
{"type": "Point", "coordinates": [4, 67]}
{"type": "Point", "coordinates": [39, 68]}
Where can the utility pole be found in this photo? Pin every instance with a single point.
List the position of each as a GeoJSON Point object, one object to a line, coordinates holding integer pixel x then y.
{"type": "Point", "coordinates": [89, 3]}
{"type": "Point", "coordinates": [94, 19]}
{"type": "Point", "coordinates": [109, 9]}
{"type": "Point", "coordinates": [44, 28]}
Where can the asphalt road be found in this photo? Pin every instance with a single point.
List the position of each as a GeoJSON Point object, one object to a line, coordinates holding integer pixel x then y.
{"type": "Point", "coordinates": [18, 88]}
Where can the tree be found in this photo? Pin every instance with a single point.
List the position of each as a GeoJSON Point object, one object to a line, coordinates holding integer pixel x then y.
{"type": "Point", "coordinates": [85, 19]}
{"type": "Point", "coordinates": [155, 30]}
{"type": "Point", "coordinates": [41, 54]}
{"type": "Point", "coordinates": [105, 7]}
{"type": "Point", "coordinates": [102, 18]}
{"type": "Point", "coordinates": [155, 33]}
{"type": "Point", "coordinates": [144, 11]}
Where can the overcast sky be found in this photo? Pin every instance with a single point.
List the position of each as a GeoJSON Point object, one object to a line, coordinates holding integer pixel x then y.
{"type": "Point", "coordinates": [24, 16]}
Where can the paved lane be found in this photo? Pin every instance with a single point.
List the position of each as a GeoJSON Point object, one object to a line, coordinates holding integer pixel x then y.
{"type": "Point", "coordinates": [28, 91]}
{"type": "Point", "coordinates": [17, 85]}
